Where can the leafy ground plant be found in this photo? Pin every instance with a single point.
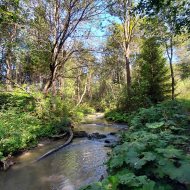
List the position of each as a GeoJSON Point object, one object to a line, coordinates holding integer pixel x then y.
{"type": "Point", "coordinates": [152, 154]}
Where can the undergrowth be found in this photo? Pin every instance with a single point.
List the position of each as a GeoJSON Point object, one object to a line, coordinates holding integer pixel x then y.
{"type": "Point", "coordinates": [117, 116]}
{"type": "Point", "coordinates": [24, 120]}
{"type": "Point", "coordinates": [153, 154]}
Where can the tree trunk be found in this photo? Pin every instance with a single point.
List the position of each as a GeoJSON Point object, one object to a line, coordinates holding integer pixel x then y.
{"type": "Point", "coordinates": [169, 50]}
{"type": "Point", "coordinates": [84, 92]}
{"type": "Point", "coordinates": [8, 71]}
{"type": "Point", "coordinates": [128, 71]}
{"type": "Point", "coordinates": [173, 80]}
{"type": "Point", "coordinates": [89, 87]}
{"type": "Point", "coordinates": [127, 40]}
{"type": "Point", "coordinates": [47, 86]}
{"type": "Point", "coordinates": [61, 86]}
{"type": "Point", "coordinates": [78, 89]}
{"type": "Point", "coordinates": [55, 52]}
{"type": "Point", "coordinates": [51, 79]}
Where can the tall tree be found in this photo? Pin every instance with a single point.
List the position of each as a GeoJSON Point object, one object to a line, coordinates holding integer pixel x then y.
{"type": "Point", "coordinates": [174, 15]}
{"type": "Point", "coordinates": [152, 73]}
{"type": "Point", "coordinates": [123, 9]}
{"type": "Point", "coordinates": [62, 19]}
{"type": "Point", "coordinates": [9, 11]}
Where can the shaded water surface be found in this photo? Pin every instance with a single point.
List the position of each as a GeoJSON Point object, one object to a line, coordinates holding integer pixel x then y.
{"type": "Point", "coordinates": [76, 165]}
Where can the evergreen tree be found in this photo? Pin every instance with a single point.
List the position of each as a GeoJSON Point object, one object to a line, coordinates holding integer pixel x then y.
{"type": "Point", "coordinates": [152, 73]}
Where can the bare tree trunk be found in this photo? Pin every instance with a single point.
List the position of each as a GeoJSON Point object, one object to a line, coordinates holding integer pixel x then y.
{"type": "Point", "coordinates": [173, 80]}
{"type": "Point", "coordinates": [127, 66]}
{"type": "Point", "coordinates": [84, 92]}
{"type": "Point", "coordinates": [89, 86]}
{"type": "Point", "coordinates": [128, 71]}
{"type": "Point", "coordinates": [169, 51]}
{"type": "Point", "coordinates": [48, 85]}
{"type": "Point", "coordinates": [127, 40]}
{"type": "Point", "coordinates": [54, 63]}
{"type": "Point", "coordinates": [61, 86]}
{"type": "Point", "coordinates": [9, 70]}
{"type": "Point", "coordinates": [54, 88]}
{"type": "Point", "coordinates": [78, 88]}
{"type": "Point", "coordinates": [171, 69]}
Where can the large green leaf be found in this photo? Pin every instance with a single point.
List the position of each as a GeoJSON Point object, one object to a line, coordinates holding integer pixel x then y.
{"type": "Point", "coordinates": [155, 125]}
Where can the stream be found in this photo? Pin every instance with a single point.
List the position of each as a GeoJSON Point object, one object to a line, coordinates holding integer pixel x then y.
{"type": "Point", "coordinates": [78, 164]}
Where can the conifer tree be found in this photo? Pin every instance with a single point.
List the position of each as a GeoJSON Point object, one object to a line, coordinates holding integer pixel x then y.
{"type": "Point", "coordinates": [152, 71]}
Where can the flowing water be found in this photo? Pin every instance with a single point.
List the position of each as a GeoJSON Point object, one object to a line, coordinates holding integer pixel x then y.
{"type": "Point", "coordinates": [78, 164]}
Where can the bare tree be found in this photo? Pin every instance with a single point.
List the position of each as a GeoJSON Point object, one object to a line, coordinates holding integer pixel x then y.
{"type": "Point", "coordinates": [63, 18]}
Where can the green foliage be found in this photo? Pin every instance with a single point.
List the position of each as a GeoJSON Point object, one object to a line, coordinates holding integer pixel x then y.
{"type": "Point", "coordinates": [169, 11]}
{"type": "Point", "coordinates": [52, 108]}
{"type": "Point", "coordinates": [9, 11]}
{"type": "Point", "coordinates": [23, 120]}
{"type": "Point", "coordinates": [85, 108]}
{"type": "Point", "coordinates": [78, 113]}
{"type": "Point", "coordinates": [151, 72]}
{"type": "Point", "coordinates": [150, 83]}
{"type": "Point", "coordinates": [16, 100]}
{"type": "Point", "coordinates": [169, 112]}
{"type": "Point", "coordinates": [183, 87]}
{"type": "Point", "coordinates": [17, 130]}
{"type": "Point", "coordinates": [117, 116]}
{"type": "Point", "coordinates": [151, 154]}
{"type": "Point", "coordinates": [135, 100]}
{"type": "Point", "coordinates": [1, 156]}
{"type": "Point", "coordinates": [184, 69]}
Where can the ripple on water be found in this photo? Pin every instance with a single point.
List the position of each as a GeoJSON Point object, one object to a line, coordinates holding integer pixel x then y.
{"type": "Point", "coordinates": [76, 165]}
{"type": "Point", "coordinates": [79, 165]}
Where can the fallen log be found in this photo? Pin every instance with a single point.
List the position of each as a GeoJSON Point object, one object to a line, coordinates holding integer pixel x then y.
{"type": "Point", "coordinates": [57, 148]}
{"type": "Point", "coordinates": [58, 136]}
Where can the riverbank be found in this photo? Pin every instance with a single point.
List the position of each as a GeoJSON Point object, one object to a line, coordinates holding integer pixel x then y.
{"type": "Point", "coordinates": [153, 153]}
{"type": "Point", "coordinates": [93, 131]}
{"type": "Point", "coordinates": [68, 169]}
{"type": "Point", "coordinates": [25, 120]}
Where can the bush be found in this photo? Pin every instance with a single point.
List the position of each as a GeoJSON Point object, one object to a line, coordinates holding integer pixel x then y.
{"type": "Point", "coordinates": [85, 109]}
{"type": "Point", "coordinates": [78, 113]}
{"type": "Point", "coordinates": [17, 100]}
{"type": "Point", "coordinates": [117, 116]}
{"type": "Point", "coordinates": [23, 120]}
{"type": "Point", "coordinates": [17, 130]}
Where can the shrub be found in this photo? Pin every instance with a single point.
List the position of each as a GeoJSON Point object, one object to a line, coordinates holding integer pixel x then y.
{"type": "Point", "coordinates": [78, 113]}
{"type": "Point", "coordinates": [23, 120]}
{"type": "Point", "coordinates": [116, 116]}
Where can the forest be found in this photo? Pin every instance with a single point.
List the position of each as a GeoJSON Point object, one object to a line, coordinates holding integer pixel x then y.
{"type": "Point", "coordinates": [125, 62]}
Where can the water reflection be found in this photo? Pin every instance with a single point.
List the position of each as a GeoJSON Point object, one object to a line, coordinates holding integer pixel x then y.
{"type": "Point", "coordinates": [68, 169]}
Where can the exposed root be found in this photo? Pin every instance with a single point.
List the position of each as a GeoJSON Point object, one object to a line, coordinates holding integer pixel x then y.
{"type": "Point", "coordinates": [59, 136]}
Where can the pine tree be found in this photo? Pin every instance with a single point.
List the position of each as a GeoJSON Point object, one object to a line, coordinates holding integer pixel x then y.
{"type": "Point", "coordinates": [152, 73]}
